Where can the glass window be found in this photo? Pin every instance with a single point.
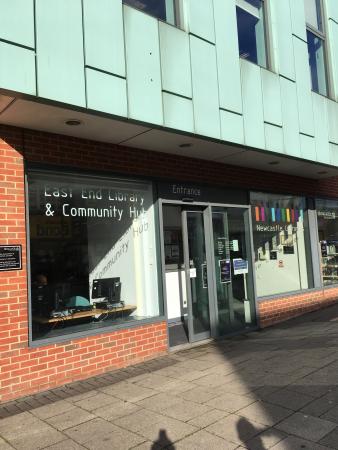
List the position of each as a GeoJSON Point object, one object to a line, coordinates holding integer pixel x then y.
{"type": "Point", "coordinates": [161, 9]}
{"type": "Point", "coordinates": [251, 31]}
{"type": "Point", "coordinates": [327, 216]}
{"type": "Point", "coordinates": [316, 46]}
{"type": "Point", "coordinates": [281, 244]}
{"type": "Point", "coordinates": [92, 253]}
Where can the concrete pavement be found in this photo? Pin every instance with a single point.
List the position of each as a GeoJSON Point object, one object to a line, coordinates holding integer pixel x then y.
{"type": "Point", "coordinates": [273, 389]}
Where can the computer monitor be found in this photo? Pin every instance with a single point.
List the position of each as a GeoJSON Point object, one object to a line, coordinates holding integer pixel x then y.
{"type": "Point", "coordinates": [108, 288]}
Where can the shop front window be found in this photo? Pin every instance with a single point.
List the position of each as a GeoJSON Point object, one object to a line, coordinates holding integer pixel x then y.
{"type": "Point", "coordinates": [93, 256]}
{"type": "Point", "coordinates": [327, 217]}
{"type": "Point", "coordinates": [281, 244]}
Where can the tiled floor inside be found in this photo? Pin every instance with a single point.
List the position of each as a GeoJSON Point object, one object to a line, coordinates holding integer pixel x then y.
{"type": "Point", "coordinates": [273, 389]}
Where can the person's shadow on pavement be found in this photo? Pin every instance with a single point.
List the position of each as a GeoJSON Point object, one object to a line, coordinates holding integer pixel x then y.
{"type": "Point", "coordinates": [245, 430]}
{"type": "Point", "coordinates": [162, 442]}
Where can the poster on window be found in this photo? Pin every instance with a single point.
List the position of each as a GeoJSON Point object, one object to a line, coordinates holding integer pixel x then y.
{"type": "Point", "coordinates": [225, 271]}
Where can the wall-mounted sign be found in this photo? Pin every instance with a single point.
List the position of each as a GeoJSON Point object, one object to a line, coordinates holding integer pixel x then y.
{"type": "Point", "coordinates": [273, 254]}
{"type": "Point", "coordinates": [192, 273]}
{"type": "Point", "coordinates": [10, 257]}
{"type": "Point", "coordinates": [225, 270]}
{"type": "Point", "coordinates": [240, 266]}
{"type": "Point", "coordinates": [288, 249]}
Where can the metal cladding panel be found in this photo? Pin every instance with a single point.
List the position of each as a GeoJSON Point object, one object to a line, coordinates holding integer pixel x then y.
{"type": "Point", "coordinates": [252, 105]}
{"type": "Point", "coordinates": [178, 113]}
{"type": "Point", "coordinates": [308, 147]}
{"type": "Point", "coordinates": [290, 117]}
{"type": "Point", "coordinates": [271, 97]}
{"type": "Point", "coordinates": [283, 34]}
{"type": "Point", "coordinates": [106, 93]}
{"type": "Point", "coordinates": [205, 87]}
{"type": "Point", "coordinates": [333, 47]}
{"type": "Point", "coordinates": [232, 129]}
{"type": "Point", "coordinates": [332, 9]}
{"type": "Point", "coordinates": [227, 55]}
{"type": "Point", "coordinates": [17, 69]}
{"type": "Point", "coordinates": [274, 138]}
{"type": "Point", "coordinates": [334, 154]}
{"type": "Point", "coordinates": [298, 22]}
{"type": "Point", "coordinates": [143, 67]}
{"type": "Point", "coordinates": [60, 61]}
{"type": "Point", "coordinates": [321, 128]}
{"type": "Point", "coordinates": [201, 19]}
{"type": "Point", "coordinates": [305, 108]}
{"type": "Point", "coordinates": [175, 60]}
{"type": "Point", "coordinates": [17, 21]}
{"type": "Point", "coordinates": [104, 39]}
{"type": "Point", "coordinates": [332, 112]}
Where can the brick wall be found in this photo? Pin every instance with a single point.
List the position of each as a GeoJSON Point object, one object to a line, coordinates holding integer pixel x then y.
{"type": "Point", "coordinates": [26, 370]}
{"type": "Point", "coordinates": [280, 309]}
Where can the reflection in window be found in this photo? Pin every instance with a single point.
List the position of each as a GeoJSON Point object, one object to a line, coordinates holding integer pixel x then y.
{"type": "Point", "coordinates": [251, 32]}
{"type": "Point", "coordinates": [316, 46]}
{"type": "Point", "coordinates": [92, 253]}
{"type": "Point", "coordinates": [327, 216]}
{"type": "Point", "coordinates": [281, 244]}
{"type": "Point", "coordinates": [161, 9]}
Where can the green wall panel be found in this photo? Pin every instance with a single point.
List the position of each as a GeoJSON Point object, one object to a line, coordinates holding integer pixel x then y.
{"type": "Point", "coordinates": [252, 105]}
{"type": "Point", "coordinates": [305, 108]}
{"type": "Point", "coordinates": [271, 97]}
{"type": "Point", "coordinates": [232, 129]}
{"type": "Point", "coordinates": [178, 113]}
{"type": "Point", "coordinates": [227, 55]}
{"type": "Point", "coordinates": [274, 138]}
{"type": "Point", "coordinates": [332, 113]}
{"type": "Point", "coordinates": [17, 69]}
{"type": "Point", "coordinates": [334, 154]}
{"type": "Point", "coordinates": [332, 9]}
{"type": "Point", "coordinates": [106, 93]}
{"type": "Point", "coordinates": [333, 48]}
{"type": "Point", "coordinates": [201, 19]}
{"type": "Point", "coordinates": [143, 67]}
{"type": "Point", "coordinates": [321, 128]}
{"type": "Point", "coordinates": [283, 38]}
{"type": "Point", "coordinates": [298, 23]}
{"type": "Point", "coordinates": [308, 147]}
{"type": "Point", "coordinates": [17, 21]}
{"type": "Point", "coordinates": [205, 87]}
{"type": "Point", "coordinates": [104, 40]}
{"type": "Point", "coordinates": [290, 117]}
{"type": "Point", "coordinates": [60, 61]}
{"type": "Point", "coordinates": [175, 60]}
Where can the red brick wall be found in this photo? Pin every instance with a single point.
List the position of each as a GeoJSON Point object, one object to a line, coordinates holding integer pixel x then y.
{"type": "Point", "coordinates": [280, 309]}
{"type": "Point", "coordinates": [26, 370]}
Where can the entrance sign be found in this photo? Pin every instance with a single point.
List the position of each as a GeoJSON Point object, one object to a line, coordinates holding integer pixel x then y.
{"type": "Point", "coordinates": [240, 266]}
{"type": "Point", "coordinates": [225, 270]}
{"type": "Point", "coordinates": [10, 257]}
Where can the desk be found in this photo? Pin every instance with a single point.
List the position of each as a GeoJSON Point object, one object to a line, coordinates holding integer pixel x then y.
{"type": "Point", "coordinates": [83, 314]}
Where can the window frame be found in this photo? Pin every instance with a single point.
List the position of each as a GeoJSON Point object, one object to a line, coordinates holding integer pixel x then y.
{"type": "Point", "coordinates": [178, 13]}
{"type": "Point", "coordinates": [321, 34]}
{"type": "Point", "coordinates": [267, 33]}
{"type": "Point", "coordinates": [98, 175]}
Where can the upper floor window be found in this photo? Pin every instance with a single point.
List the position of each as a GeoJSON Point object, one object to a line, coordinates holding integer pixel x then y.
{"type": "Point", "coordinates": [251, 31]}
{"type": "Point", "coordinates": [316, 45]}
{"type": "Point", "coordinates": [161, 9]}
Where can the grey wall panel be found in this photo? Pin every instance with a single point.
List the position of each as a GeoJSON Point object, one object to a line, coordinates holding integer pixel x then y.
{"type": "Point", "coordinates": [298, 23]}
{"type": "Point", "coordinates": [232, 127]}
{"type": "Point", "coordinates": [104, 40]}
{"type": "Point", "coordinates": [271, 97]}
{"type": "Point", "coordinates": [175, 60]}
{"type": "Point", "coordinates": [205, 87]}
{"type": "Point", "coordinates": [290, 117]}
{"type": "Point", "coordinates": [17, 21]}
{"type": "Point", "coordinates": [143, 67]}
{"type": "Point", "coordinates": [227, 55]}
{"type": "Point", "coordinates": [17, 70]}
{"type": "Point", "coordinates": [60, 59]}
{"type": "Point", "coordinates": [332, 112]}
{"type": "Point", "coordinates": [201, 18]}
{"type": "Point", "coordinates": [178, 113]}
{"type": "Point", "coordinates": [321, 128]}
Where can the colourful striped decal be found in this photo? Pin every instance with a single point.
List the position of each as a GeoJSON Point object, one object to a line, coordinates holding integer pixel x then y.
{"type": "Point", "coordinates": [263, 214]}
{"type": "Point", "coordinates": [257, 213]}
{"type": "Point", "coordinates": [273, 215]}
{"type": "Point", "coordinates": [288, 215]}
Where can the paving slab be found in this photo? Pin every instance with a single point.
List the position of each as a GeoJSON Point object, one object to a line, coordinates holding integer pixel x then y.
{"type": "Point", "coordinates": [265, 413]}
{"type": "Point", "coordinates": [230, 402]}
{"type": "Point", "coordinates": [114, 411]}
{"type": "Point", "coordinates": [172, 428]}
{"type": "Point", "coordinates": [98, 400]}
{"type": "Point", "coordinates": [266, 440]}
{"type": "Point", "coordinates": [208, 418]}
{"type": "Point", "coordinates": [52, 409]}
{"type": "Point", "coordinates": [307, 427]}
{"type": "Point", "coordinates": [293, 443]}
{"type": "Point", "coordinates": [202, 440]}
{"type": "Point", "coordinates": [84, 432]}
{"type": "Point", "coordinates": [69, 419]}
{"type": "Point", "coordinates": [331, 439]}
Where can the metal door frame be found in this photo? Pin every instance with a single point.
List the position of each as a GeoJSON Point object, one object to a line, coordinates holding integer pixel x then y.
{"type": "Point", "coordinates": [206, 209]}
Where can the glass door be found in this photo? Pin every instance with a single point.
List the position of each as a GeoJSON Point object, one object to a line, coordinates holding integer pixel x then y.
{"type": "Point", "coordinates": [233, 271]}
{"type": "Point", "coordinates": [197, 274]}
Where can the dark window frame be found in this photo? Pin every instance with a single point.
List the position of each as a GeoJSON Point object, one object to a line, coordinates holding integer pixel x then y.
{"type": "Point", "coordinates": [176, 5]}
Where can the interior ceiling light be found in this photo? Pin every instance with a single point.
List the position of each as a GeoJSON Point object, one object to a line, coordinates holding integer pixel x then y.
{"type": "Point", "coordinates": [322, 172]}
{"type": "Point", "coordinates": [73, 122]}
{"type": "Point", "coordinates": [274, 163]}
{"type": "Point", "coordinates": [185, 145]}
